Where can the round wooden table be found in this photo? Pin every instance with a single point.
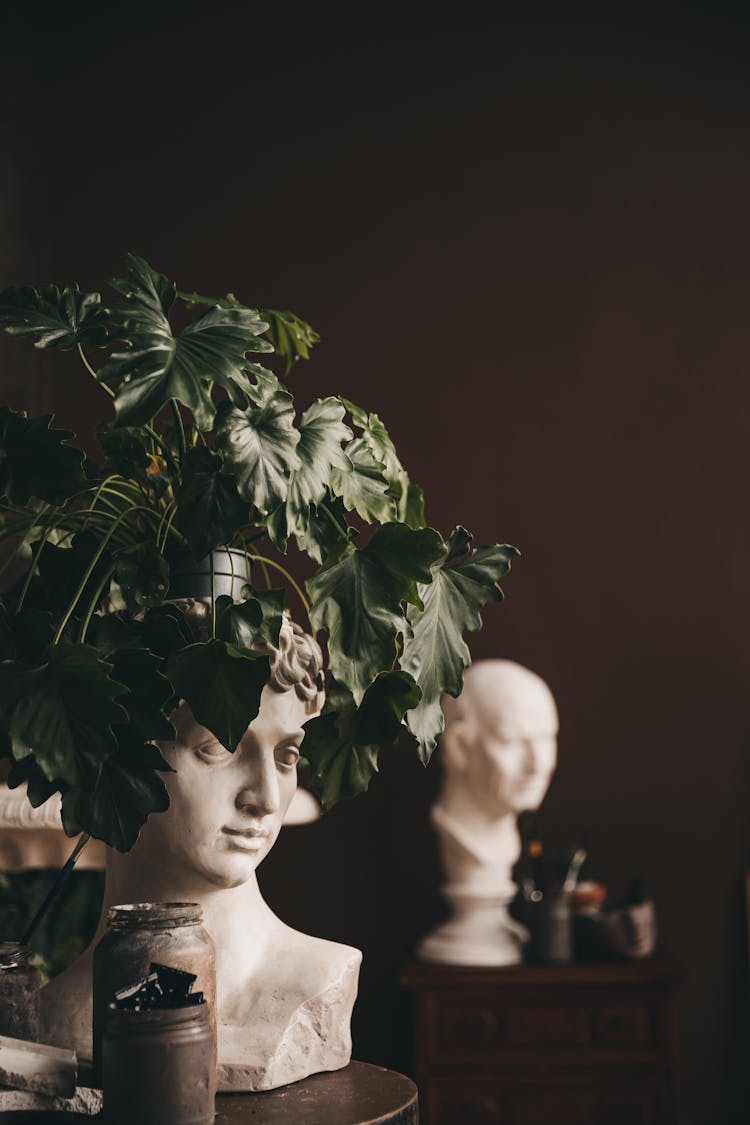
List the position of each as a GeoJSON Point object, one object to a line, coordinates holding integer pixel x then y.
{"type": "Point", "coordinates": [360, 1094]}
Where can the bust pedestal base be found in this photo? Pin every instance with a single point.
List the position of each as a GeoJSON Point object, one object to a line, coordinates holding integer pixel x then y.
{"type": "Point", "coordinates": [480, 932]}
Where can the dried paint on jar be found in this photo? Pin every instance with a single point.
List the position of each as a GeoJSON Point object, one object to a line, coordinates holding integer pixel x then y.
{"type": "Point", "coordinates": [19, 993]}
{"type": "Point", "coordinates": [170, 933]}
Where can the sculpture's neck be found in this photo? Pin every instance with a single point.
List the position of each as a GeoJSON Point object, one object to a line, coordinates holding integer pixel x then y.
{"type": "Point", "coordinates": [237, 918]}
{"type": "Point", "coordinates": [479, 847]}
{"type": "Point", "coordinates": [462, 802]}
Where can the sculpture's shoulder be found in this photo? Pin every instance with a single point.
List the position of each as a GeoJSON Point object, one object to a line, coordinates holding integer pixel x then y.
{"type": "Point", "coordinates": [295, 1020]}
{"type": "Point", "coordinates": [327, 964]}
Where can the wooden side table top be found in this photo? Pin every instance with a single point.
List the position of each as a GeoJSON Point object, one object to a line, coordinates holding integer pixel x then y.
{"type": "Point", "coordinates": [661, 969]}
{"type": "Point", "coordinates": [360, 1094]}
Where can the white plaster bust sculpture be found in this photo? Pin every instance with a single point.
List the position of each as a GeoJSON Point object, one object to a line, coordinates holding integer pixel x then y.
{"type": "Point", "coordinates": [284, 999]}
{"type": "Point", "coordinates": [499, 751]}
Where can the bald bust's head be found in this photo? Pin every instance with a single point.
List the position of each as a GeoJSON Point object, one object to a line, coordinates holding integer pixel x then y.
{"type": "Point", "coordinates": [501, 736]}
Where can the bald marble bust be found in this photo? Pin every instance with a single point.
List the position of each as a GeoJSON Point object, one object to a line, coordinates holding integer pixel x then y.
{"type": "Point", "coordinates": [284, 999]}
{"type": "Point", "coordinates": [499, 752]}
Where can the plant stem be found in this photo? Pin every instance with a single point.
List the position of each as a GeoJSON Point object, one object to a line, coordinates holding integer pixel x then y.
{"type": "Point", "coordinates": [166, 518]}
{"type": "Point", "coordinates": [266, 575]}
{"type": "Point", "coordinates": [250, 538]}
{"type": "Point", "coordinates": [93, 373]}
{"type": "Point", "coordinates": [89, 571]}
{"type": "Point", "coordinates": [270, 562]}
{"type": "Point", "coordinates": [342, 531]}
{"type": "Point", "coordinates": [95, 602]}
{"type": "Point", "coordinates": [179, 425]}
{"type": "Point", "coordinates": [213, 596]}
{"type": "Point", "coordinates": [34, 563]}
{"type": "Point", "coordinates": [19, 546]}
{"type": "Point", "coordinates": [162, 445]}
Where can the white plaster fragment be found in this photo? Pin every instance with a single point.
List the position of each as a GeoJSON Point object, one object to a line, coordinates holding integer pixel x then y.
{"type": "Point", "coordinates": [37, 1067]}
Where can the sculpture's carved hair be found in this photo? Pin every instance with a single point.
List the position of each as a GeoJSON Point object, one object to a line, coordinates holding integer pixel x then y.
{"type": "Point", "coordinates": [296, 663]}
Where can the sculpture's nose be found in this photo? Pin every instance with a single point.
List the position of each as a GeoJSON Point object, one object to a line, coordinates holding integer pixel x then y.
{"type": "Point", "coordinates": [539, 755]}
{"type": "Point", "coordinates": [259, 794]}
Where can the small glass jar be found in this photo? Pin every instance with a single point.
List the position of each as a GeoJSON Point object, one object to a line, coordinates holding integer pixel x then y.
{"type": "Point", "coordinates": [158, 1067]}
{"type": "Point", "coordinates": [170, 933]}
{"type": "Point", "coordinates": [19, 993]}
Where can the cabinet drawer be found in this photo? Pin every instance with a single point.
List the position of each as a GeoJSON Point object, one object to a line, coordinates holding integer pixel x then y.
{"type": "Point", "coordinates": [469, 1024]}
{"type": "Point", "coordinates": [478, 1102]}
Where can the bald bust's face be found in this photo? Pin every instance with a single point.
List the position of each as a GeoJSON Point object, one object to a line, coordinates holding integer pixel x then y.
{"type": "Point", "coordinates": [514, 759]}
{"type": "Point", "coordinates": [503, 740]}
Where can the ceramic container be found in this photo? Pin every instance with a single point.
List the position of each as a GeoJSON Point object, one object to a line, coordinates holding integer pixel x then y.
{"type": "Point", "coordinates": [170, 933]}
{"type": "Point", "coordinates": [19, 993]}
{"type": "Point", "coordinates": [159, 1067]}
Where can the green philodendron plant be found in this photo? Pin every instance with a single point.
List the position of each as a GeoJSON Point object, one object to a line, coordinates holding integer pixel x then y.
{"type": "Point", "coordinates": [205, 451]}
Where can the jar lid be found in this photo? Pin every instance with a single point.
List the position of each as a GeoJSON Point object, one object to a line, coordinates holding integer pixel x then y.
{"type": "Point", "coordinates": [158, 915]}
{"type": "Point", "coordinates": [13, 955]}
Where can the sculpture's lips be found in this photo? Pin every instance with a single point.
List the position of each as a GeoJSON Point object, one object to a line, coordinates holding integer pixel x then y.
{"type": "Point", "coordinates": [246, 839]}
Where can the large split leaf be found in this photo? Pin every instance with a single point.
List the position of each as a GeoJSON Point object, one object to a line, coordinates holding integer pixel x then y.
{"type": "Point", "coordinates": [436, 654]}
{"type": "Point", "coordinates": [238, 623]}
{"type": "Point", "coordinates": [222, 685]}
{"type": "Point", "coordinates": [24, 635]}
{"type": "Point", "coordinates": [271, 602]}
{"type": "Point", "coordinates": [363, 486]}
{"type": "Point", "coordinates": [35, 461]}
{"type": "Point", "coordinates": [358, 600]}
{"type": "Point", "coordinates": [322, 433]}
{"type": "Point", "coordinates": [51, 318]}
{"type": "Point", "coordinates": [63, 710]}
{"type": "Point", "coordinates": [62, 570]}
{"type": "Point", "coordinates": [341, 745]}
{"type": "Point", "coordinates": [291, 337]}
{"type": "Point", "coordinates": [159, 366]}
{"type": "Point", "coordinates": [166, 630]}
{"type": "Point", "coordinates": [321, 538]}
{"type": "Point", "coordinates": [377, 440]}
{"type": "Point", "coordinates": [38, 788]}
{"type": "Point", "coordinates": [125, 450]}
{"type": "Point", "coordinates": [260, 448]}
{"type": "Point", "coordinates": [114, 632]}
{"type": "Point", "coordinates": [209, 509]}
{"type": "Point", "coordinates": [117, 800]}
{"type": "Point", "coordinates": [413, 508]}
{"type": "Point", "coordinates": [408, 555]}
{"type": "Point", "coordinates": [150, 693]}
{"type": "Point", "coordinates": [259, 616]}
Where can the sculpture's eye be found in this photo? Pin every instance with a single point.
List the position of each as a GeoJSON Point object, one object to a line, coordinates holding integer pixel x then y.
{"type": "Point", "coordinates": [212, 752]}
{"type": "Point", "coordinates": [287, 755]}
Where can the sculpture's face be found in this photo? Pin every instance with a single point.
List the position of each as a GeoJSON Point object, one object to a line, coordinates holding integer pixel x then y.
{"type": "Point", "coordinates": [514, 760]}
{"type": "Point", "coordinates": [227, 809]}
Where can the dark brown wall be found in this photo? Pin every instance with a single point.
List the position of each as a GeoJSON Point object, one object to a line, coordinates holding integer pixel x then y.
{"type": "Point", "coordinates": [526, 244]}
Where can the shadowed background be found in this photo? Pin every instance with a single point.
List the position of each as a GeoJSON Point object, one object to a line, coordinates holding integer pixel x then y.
{"type": "Point", "coordinates": [525, 240]}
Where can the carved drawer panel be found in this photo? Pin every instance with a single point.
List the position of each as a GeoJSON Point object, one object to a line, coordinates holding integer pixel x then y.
{"type": "Point", "coordinates": [478, 1103]}
{"type": "Point", "coordinates": [623, 1025]}
{"type": "Point", "coordinates": [472, 1025]}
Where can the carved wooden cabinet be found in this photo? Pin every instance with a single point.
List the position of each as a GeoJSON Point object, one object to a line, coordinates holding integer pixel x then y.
{"type": "Point", "coordinates": [579, 1044]}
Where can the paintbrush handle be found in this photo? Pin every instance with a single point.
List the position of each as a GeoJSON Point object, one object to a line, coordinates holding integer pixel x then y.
{"type": "Point", "coordinates": [55, 888]}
